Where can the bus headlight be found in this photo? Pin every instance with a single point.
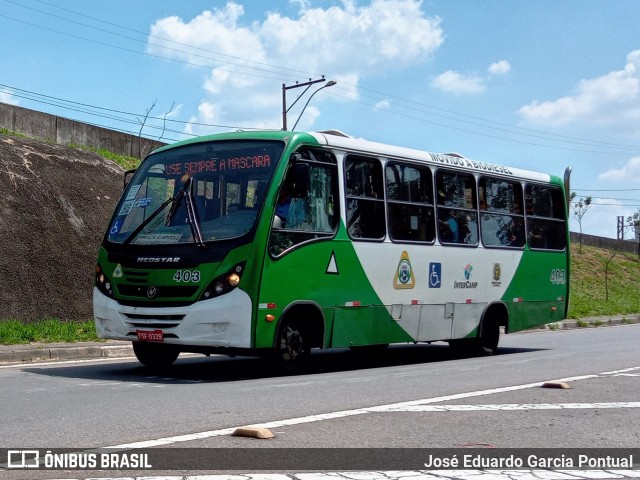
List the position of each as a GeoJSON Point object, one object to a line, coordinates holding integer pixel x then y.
{"type": "Point", "coordinates": [224, 283]}
{"type": "Point", "coordinates": [233, 279]}
{"type": "Point", "coordinates": [103, 283]}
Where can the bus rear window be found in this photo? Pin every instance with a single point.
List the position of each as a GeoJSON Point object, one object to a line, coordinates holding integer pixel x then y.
{"type": "Point", "coordinates": [545, 212]}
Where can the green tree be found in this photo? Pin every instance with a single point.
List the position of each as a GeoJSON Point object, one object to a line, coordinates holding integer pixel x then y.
{"type": "Point", "coordinates": [579, 209]}
{"type": "Point", "coordinates": [633, 221]}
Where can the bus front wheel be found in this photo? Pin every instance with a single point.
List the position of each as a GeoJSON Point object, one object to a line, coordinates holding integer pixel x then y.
{"type": "Point", "coordinates": [291, 344]}
{"type": "Point", "coordinates": [155, 355]}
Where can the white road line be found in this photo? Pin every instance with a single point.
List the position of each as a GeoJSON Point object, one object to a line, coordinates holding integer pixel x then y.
{"type": "Point", "coordinates": [346, 413]}
{"type": "Point", "coordinates": [513, 406]}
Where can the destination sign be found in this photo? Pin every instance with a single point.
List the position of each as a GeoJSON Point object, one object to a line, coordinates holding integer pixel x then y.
{"type": "Point", "coordinates": [219, 165]}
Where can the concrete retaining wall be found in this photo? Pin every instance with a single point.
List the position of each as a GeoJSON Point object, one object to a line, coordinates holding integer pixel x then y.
{"type": "Point", "coordinates": [630, 246]}
{"type": "Point", "coordinates": [66, 132]}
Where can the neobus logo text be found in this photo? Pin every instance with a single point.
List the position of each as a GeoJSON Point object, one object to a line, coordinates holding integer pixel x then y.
{"type": "Point", "coordinates": [158, 259]}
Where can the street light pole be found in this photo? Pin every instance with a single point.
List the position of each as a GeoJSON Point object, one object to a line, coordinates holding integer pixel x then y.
{"type": "Point", "coordinates": [329, 84]}
{"type": "Point", "coordinates": [285, 110]}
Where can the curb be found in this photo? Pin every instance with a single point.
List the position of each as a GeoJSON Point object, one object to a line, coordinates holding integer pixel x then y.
{"type": "Point", "coordinates": [592, 322]}
{"type": "Point", "coordinates": [40, 352]}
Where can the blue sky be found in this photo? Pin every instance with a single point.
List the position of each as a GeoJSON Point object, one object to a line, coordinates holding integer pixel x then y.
{"type": "Point", "coordinates": [537, 85]}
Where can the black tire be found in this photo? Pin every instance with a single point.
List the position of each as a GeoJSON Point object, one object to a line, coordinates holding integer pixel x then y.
{"type": "Point", "coordinates": [291, 344]}
{"type": "Point", "coordinates": [486, 343]}
{"type": "Point", "coordinates": [155, 355]}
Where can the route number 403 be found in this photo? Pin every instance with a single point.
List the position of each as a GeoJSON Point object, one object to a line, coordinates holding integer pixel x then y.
{"type": "Point", "coordinates": [186, 276]}
{"type": "Point", "coordinates": [558, 276]}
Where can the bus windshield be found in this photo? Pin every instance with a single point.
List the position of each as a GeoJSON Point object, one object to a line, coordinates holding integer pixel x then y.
{"type": "Point", "coordinates": [196, 194]}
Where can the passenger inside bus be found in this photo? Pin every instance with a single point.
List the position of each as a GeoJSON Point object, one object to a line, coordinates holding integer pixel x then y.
{"type": "Point", "coordinates": [282, 208]}
{"type": "Point", "coordinates": [537, 238]}
{"type": "Point", "coordinates": [449, 231]}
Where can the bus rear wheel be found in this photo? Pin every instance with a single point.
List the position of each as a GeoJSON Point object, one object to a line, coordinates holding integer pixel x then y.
{"type": "Point", "coordinates": [291, 346]}
{"type": "Point", "coordinates": [486, 343]}
{"type": "Point", "coordinates": [155, 355]}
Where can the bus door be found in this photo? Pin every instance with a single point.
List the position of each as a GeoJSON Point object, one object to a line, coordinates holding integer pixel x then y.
{"type": "Point", "coordinates": [302, 272]}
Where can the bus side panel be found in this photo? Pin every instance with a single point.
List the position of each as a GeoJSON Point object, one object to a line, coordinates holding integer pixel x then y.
{"type": "Point", "coordinates": [466, 319]}
{"type": "Point", "coordinates": [435, 323]}
{"type": "Point", "coordinates": [329, 274]}
{"type": "Point", "coordinates": [371, 325]}
{"type": "Point", "coordinates": [538, 293]}
{"type": "Point", "coordinates": [524, 315]}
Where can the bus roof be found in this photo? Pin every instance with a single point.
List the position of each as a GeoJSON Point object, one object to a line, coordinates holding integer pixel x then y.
{"type": "Point", "coordinates": [338, 140]}
{"type": "Point", "coordinates": [341, 141]}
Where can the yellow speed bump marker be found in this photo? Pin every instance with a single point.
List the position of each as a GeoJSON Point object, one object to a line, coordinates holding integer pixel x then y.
{"type": "Point", "coordinates": [252, 432]}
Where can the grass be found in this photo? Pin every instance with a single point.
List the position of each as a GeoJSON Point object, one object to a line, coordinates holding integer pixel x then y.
{"type": "Point", "coordinates": [588, 291]}
{"type": "Point", "coordinates": [127, 163]}
{"type": "Point", "coordinates": [14, 332]}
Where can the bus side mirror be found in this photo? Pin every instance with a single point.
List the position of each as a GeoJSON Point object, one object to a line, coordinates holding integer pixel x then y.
{"type": "Point", "coordinates": [127, 177]}
{"type": "Point", "coordinates": [300, 184]}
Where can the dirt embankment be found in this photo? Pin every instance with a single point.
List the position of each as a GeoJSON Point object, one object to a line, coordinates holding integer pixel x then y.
{"type": "Point", "coordinates": [55, 203]}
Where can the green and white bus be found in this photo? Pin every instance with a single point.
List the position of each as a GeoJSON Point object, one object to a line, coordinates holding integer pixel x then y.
{"type": "Point", "coordinates": [256, 243]}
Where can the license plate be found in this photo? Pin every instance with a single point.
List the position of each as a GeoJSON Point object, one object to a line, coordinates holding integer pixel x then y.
{"type": "Point", "coordinates": [150, 335]}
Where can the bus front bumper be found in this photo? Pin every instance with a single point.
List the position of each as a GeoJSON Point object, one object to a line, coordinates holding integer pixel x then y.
{"type": "Point", "coordinates": [223, 321]}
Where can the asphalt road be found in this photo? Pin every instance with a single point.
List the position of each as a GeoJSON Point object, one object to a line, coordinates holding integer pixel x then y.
{"type": "Point", "coordinates": [410, 396]}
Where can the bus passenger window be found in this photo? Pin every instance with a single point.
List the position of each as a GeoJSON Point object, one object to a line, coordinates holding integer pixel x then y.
{"type": "Point", "coordinates": [364, 198]}
{"type": "Point", "coordinates": [409, 202]}
{"type": "Point", "coordinates": [458, 222]}
{"type": "Point", "coordinates": [502, 221]}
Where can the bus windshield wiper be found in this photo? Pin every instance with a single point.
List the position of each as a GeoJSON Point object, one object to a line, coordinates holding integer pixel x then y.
{"type": "Point", "coordinates": [192, 215]}
{"type": "Point", "coordinates": [175, 200]}
{"type": "Point", "coordinates": [146, 222]}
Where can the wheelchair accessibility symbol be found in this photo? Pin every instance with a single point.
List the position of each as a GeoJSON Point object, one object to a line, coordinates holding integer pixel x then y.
{"type": "Point", "coordinates": [435, 275]}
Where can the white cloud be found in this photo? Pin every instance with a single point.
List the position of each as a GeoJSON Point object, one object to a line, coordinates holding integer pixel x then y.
{"type": "Point", "coordinates": [612, 99]}
{"type": "Point", "coordinates": [344, 42]}
{"type": "Point", "coordinates": [7, 97]}
{"type": "Point", "coordinates": [454, 82]}
{"type": "Point", "coordinates": [499, 68]}
{"type": "Point", "coordinates": [630, 172]}
{"type": "Point", "coordinates": [383, 104]}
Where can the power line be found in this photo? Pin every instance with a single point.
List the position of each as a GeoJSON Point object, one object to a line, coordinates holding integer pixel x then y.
{"type": "Point", "coordinates": [34, 97]}
{"type": "Point", "coordinates": [103, 21]}
{"type": "Point", "coordinates": [606, 190]}
{"type": "Point", "coordinates": [271, 70]}
{"type": "Point", "coordinates": [105, 44]}
{"type": "Point", "coordinates": [411, 106]}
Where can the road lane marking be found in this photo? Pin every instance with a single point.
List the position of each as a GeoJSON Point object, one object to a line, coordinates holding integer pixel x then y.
{"type": "Point", "coordinates": [514, 406]}
{"type": "Point", "coordinates": [348, 413]}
